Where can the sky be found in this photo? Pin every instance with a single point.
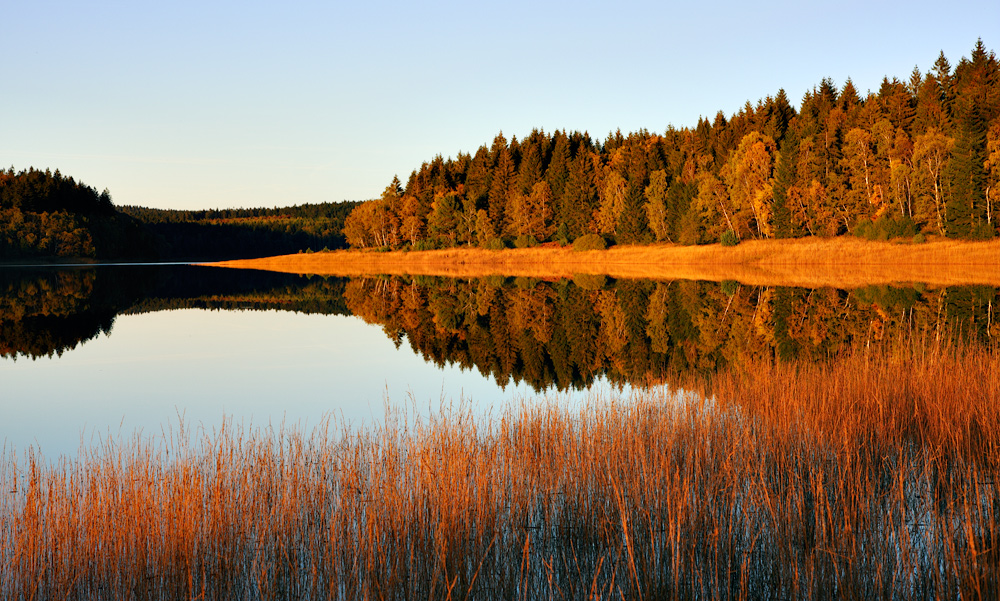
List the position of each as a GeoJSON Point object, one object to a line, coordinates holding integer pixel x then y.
{"type": "Point", "coordinates": [192, 105]}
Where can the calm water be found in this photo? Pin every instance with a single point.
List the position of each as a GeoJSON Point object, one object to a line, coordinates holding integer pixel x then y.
{"type": "Point", "coordinates": [88, 353]}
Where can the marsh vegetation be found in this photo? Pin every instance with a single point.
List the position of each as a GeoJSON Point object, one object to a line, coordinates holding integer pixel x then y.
{"type": "Point", "coordinates": [869, 476]}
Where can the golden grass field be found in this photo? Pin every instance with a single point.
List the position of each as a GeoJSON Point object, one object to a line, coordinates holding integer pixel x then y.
{"type": "Point", "coordinates": [844, 262]}
{"type": "Point", "coordinates": [872, 476]}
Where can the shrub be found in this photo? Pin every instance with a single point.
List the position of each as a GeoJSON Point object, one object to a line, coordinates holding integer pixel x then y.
{"type": "Point", "coordinates": [919, 238]}
{"type": "Point", "coordinates": [495, 244]}
{"type": "Point", "coordinates": [423, 245]}
{"type": "Point", "coordinates": [589, 242]}
{"type": "Point", "coordinates": [981, 231]}
{"type": "Point", "coordinates": [886, 227]}
{"type": "Point", "coordinates": [728, 238]}
{"type": "Point", "coordinates": [525, 241]}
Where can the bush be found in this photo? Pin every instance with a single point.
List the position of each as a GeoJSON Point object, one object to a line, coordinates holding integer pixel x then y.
{"type": "Point", "coordinates": [525, 241]}
{"type": "Point", "coordinates": [424, 245]}
{"type": "Point", "coordinates": [495, 244]}
{"type": "Point", "coordinates": [728, 238]}
{"type": "Point", "coordinates": [886, 227]}
{"type": "Point", "coordinates": [919, 238]}
{"type": "Point", "coordinates": [589, 242]}
{"type": "Point", "coordinates": [981, 231]}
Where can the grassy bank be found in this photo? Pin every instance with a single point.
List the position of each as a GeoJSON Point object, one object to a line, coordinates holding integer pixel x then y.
{"type": "Point", "coordinates": [872, 476]}
{"type": "Point", "coordinates": [845, 262]}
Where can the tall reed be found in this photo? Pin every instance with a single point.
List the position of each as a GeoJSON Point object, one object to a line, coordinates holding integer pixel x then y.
{"type": "Point", "coordinates": [870, 476]}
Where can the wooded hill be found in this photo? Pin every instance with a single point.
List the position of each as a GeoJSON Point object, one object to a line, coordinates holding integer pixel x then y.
{"type": "Point", "coordinates": [244, 233]}
{"type": "Point", "coordinates": [45, 215]}
{"type": "Point", "coordinates": [921, 156]}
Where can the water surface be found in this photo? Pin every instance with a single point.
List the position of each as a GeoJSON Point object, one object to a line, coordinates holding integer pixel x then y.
{"type": "Point", "coordinates": [93, 352]}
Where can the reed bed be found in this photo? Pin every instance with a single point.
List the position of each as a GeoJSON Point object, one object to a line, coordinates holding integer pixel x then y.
{"type": "Point", "coordinates": [872, 476]}
{"type": "Point", "coordinates": [842, 262]}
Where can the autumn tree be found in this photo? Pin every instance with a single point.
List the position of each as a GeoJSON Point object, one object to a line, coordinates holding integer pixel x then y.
{"type": "Point", "coordinates": [656, 205]}
{"type": "Point", "coordinates": [931, 153]}
{"type": "Point", "coordinates": [749, 176]}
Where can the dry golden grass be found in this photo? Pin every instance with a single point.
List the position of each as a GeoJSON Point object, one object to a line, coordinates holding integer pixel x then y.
{"type": "Point", "coordinates": [872, 476]}
{"type": "Point", "coordinates": [844, 262]}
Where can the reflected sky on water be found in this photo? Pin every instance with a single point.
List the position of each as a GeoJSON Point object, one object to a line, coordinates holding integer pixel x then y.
{"type": "Point", "coordinates": [88, 353]}
{"type": "Point", "coordinates": [255, 367]}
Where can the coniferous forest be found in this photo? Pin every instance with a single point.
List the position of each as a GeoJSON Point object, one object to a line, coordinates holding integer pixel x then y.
{"type": "Point", "coordinates": [46, 215]}
{"type": "Point", "coordinates": [919, 157]}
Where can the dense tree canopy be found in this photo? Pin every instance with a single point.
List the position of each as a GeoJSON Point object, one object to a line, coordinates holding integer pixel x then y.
{"type": "Point", "coordinates": [215, 234]}
{"type": "Point", "coordinates": [46, 215]}
{"type": "Point", "coordinates": [920, 155]}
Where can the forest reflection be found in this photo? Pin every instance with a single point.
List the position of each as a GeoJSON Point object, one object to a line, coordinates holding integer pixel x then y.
{"type": "Point", "coordinates": [563, 334]}
{"type": "Point", "coordinates": [48, 311]}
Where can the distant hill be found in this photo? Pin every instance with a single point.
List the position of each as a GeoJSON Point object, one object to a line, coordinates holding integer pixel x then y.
{"type": "Point", "coordinates": [45, 215]}
{"type": "Point", "coordinates": [244, 233]}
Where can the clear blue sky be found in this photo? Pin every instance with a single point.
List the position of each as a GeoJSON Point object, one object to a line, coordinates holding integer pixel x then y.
{"type": "Point", "coordinates": [227, 104]}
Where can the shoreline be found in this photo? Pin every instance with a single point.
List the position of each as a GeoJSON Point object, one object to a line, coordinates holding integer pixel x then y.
{"type": "Point", "coordinates": [845, 262]}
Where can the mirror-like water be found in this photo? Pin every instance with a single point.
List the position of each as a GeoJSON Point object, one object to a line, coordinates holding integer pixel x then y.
{"type": "Point", "coordinates": [847, 447]}
{"type": "Point", "coordinates": [96, 351]}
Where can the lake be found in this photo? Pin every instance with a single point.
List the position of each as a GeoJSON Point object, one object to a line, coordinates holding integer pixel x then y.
{"type": "Point", "coordinates": [510, 437]}
{"type": "Point", "coordinates": [92, 352]}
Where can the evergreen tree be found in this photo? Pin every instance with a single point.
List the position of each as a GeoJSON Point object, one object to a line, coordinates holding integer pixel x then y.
{"type": "Point", "coordinates": [557, 172]}
{"type": "Point", "coordinates": [656, 205]}
{"type": "Point", "coordinates": [580, 195]}
{"type": "Point", "coordinates": [502, 187]}
{"type": "Point", "coordinates": [784, 178]}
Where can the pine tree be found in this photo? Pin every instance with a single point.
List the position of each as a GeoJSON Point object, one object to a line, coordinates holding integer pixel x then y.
{"type": "Point", "coordinates": [502, 187]}
{"type": "Point", "coordinates": [975, 105]}
{"type": "Point", "coordinates": [656, 205]}
{"type": "Point", "coordinates": [557, 171]}
{"type": "Point", "coordinates": [784, 178]}
{"type": "Point", "coordinates": [579, 198]}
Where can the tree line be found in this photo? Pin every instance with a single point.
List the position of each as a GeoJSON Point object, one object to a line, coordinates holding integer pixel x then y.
{"type": "Point", "coordinates": [921, 156]}
{"type": "Point", "coordinates": [45, 215]}
{"type": "Point", "coordinates": [215, 234]}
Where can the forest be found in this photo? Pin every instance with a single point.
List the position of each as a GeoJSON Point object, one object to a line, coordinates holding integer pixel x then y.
{"type": "Point", "coordinates": [219, 234]}
{"type": "Point", "coordinates": [46, 215]}
{"type": "Point", "coordinates": [920, 157]}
